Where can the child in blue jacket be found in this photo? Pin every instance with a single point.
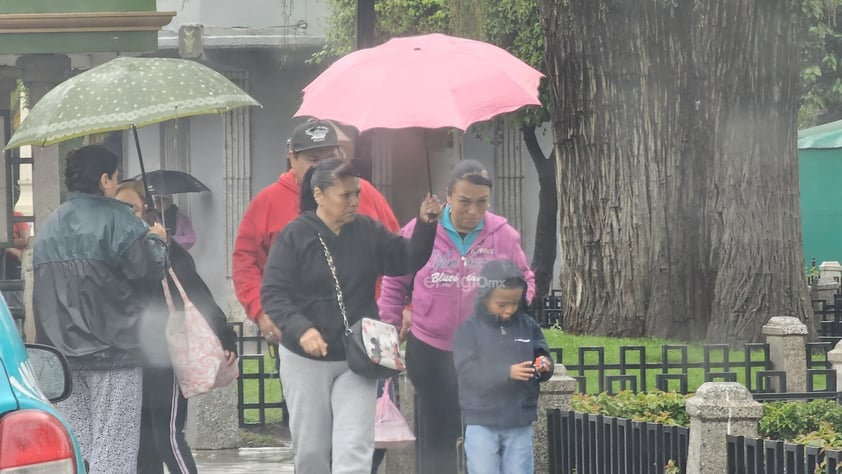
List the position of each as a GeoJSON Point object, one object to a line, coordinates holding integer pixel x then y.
{"type": "Point", "coordinates": [500, 355]}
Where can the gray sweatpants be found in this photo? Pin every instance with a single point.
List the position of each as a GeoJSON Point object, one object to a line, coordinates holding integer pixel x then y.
{"type": "Point", "coordinates": [331, 415]}
{"type": "Point", "coordinates": [104, 412]}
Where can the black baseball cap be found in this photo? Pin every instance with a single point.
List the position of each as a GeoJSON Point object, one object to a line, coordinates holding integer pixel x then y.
{"type": "Point", "coordinates": [313, 134]}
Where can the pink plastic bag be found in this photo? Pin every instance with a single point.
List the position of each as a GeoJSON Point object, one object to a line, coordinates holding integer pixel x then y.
{"type": "Point", "coordinates": [390, 428]}
{"type": "Point", "coordinates": [198, 359]}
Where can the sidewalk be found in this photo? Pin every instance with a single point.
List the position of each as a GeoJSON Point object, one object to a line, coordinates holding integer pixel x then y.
{"type": "Point", "coordinates": [245, 460]}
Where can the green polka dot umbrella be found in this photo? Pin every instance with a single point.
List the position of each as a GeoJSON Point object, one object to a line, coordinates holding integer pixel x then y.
{"type": "Point", "coordinates": [124, 93]}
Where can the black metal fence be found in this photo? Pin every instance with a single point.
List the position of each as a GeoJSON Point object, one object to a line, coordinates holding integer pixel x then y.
{"type": "Point", "coordinates": [828, 319]}
{"type": "Point", "coordinates": [673, 370]}
{"type": "Point", "coordinates": [598, 444]}
{"type": "Point", "coordinates": [550, 313]}
{"type": "Point", "coordinates": [256, 374]}
{"type": "Point", "coordinates": [750, 455]}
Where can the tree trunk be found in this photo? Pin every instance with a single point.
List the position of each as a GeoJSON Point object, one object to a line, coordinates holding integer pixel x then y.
{"type": "Point", "coordinates": [754, 217]}
{"type": "Point", "coordinates": [543, 257]}
{"type": "Point", "coordinates": [675, 124]}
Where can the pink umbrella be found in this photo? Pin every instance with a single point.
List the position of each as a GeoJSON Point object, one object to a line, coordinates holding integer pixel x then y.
{"type": "Point", "coordinates": [429, 81]}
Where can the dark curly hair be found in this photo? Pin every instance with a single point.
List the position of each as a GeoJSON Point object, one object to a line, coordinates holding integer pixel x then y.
{"type": "Point", "coordinates": [85, 167]}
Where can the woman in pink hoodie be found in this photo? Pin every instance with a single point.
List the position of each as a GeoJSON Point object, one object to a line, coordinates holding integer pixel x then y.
{"type": "Point", "coordinates": [442, 296]}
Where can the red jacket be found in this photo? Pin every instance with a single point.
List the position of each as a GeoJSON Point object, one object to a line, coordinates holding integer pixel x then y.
{"type": "Point", "coordinates": [269, 212]}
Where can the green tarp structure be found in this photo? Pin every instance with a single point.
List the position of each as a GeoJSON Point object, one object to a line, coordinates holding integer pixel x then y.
{"type": "Point", "coordinates": [820, 176]}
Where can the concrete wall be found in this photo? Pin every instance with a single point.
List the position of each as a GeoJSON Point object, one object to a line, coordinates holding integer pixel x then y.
{"type": "Point", "coordinates": [279, 90]}
{"type": "Point", "coordinates": [248, 14]}
{"type": "Point", "coordinates": [409, 175]}
{"type": "Point", "coordinates": [206, 210]}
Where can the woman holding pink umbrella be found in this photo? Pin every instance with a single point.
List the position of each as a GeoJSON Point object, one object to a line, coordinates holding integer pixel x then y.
{"type": "Point", "coordinates": [442, 294]}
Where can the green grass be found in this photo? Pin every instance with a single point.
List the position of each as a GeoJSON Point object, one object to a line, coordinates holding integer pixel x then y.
{"type": "Point", "coordinates": [653, 355]}
{"type": "Point", "coordinates": [571, 344]}
{"type": "Point", "coordinates": [251, 391]}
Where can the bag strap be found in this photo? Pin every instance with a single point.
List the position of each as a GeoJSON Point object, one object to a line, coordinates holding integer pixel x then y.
{"type": "Point", "coordinates": [338, 288]}
{"type": "Point", "coordinates": [168, 295]}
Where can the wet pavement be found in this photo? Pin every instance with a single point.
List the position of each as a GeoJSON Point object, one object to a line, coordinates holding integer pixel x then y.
{"type": "Point", "coordinates": [245, 460]}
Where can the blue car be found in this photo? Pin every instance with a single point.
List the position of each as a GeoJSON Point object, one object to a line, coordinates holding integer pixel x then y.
{"type": "Point", "coordinates": [34, 437]}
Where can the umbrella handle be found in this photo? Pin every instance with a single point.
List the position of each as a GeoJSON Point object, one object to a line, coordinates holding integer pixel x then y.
{"type": "Point", "coordinates": [149, 203]}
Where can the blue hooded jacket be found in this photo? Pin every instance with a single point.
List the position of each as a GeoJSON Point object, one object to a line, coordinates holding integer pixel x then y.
{"type": "Point", "coordinates": [485, 348]}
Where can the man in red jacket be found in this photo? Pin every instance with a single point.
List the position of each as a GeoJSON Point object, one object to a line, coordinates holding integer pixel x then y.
{"type": "Point", "coordinates": [276, 205]}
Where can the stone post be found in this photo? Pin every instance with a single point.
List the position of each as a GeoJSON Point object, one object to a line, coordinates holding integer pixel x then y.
{"type": "Point", "coordinates": [42, 72]}
{"type": "Point", "coordinates": [786, 337]}
{"type": "Point", "coordinates": [402, 460]}
{"type": "Point", "coordinates": [212, 421]}
{"type": "Point", "coordinates": [555, 393]}
{"type": "Point", "coordinates": [718, 409]}
{"type": "Point", "coordinates": [830, 271]}
{"type": "Point", "coordinates": [834, 357]}
{"type": "Point", "coordinates": [824, 289]}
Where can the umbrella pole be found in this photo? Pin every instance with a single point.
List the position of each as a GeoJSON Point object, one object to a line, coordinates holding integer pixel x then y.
{"type": "Point", "coordinates": [429, 166]}
{"type": "Point", "coordinates": [149, 203]}
{"type": "Point", "coordinates": [429, 174]}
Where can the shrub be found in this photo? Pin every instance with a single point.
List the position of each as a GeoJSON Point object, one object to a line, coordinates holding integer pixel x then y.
{"type": "Point", "coordinates": [792, 420]}
{"type": "Point", "coordinates": [815, 423]}
{"type": "Point", "coordinates": [666, 408]}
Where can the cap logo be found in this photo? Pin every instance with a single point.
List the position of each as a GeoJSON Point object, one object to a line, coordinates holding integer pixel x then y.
{"type": "Point", "coordinates": [317, 133]}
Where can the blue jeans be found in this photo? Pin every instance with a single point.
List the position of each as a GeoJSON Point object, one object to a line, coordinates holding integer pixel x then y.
{"type": "Point", "coordinates": [499, 450]}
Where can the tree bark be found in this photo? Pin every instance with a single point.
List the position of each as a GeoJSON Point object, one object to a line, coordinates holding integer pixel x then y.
{"type": "Point", "coordinates": [675, 124]}
{"type": "Point", "coordinates": [544, 255]}
{"type": "Point", "coordinates": [753, 195]}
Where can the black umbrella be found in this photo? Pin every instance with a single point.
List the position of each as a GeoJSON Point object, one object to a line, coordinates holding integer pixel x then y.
{"type": "Point", "coordinates": [167, 182]}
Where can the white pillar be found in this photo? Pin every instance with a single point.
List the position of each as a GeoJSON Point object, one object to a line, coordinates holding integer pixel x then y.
{"type": "Point", "coordinates": [42, 72]}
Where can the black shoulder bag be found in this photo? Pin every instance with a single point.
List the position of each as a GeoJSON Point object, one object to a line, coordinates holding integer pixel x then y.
{"type": "Point", "coordinates": [371, 346]}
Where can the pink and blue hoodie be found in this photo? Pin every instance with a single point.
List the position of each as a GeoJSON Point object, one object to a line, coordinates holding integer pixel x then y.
{"type": "Point", "coordinates": [442, 291]}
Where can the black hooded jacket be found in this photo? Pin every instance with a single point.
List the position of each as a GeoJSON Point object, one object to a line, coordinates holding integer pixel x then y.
{"type": "Point", "coordinates": [485, 348]}
{"type": "Point", "coordinates": [298, 290]}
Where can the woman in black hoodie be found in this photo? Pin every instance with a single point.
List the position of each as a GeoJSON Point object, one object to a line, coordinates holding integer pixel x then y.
{"type": "Point", "coordinates": [331, 407]}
